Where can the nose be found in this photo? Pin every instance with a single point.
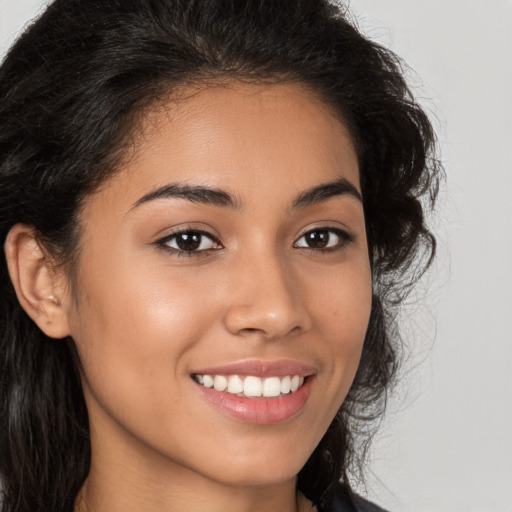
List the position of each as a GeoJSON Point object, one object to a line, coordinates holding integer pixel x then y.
{"type": "Point", "coordinates": [266, 300]}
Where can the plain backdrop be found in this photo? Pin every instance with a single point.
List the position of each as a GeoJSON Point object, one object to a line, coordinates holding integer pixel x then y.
{"type": "Point", "coordinates": [446, 443]}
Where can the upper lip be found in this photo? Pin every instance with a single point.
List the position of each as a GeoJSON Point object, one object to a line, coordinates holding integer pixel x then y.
{"type": "Point", "coordinates": [260, 368]}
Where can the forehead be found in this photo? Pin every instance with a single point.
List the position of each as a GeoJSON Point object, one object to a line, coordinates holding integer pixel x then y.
{"type": "Point", "coordinates": [248, 139]}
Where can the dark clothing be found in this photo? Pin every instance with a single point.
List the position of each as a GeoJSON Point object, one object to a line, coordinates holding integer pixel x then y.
{"type": "Point", "coordinates": [340, 500]}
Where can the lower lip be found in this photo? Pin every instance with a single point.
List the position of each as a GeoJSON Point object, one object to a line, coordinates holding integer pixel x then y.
{"type": "Point", "coordinates": [260, 410]}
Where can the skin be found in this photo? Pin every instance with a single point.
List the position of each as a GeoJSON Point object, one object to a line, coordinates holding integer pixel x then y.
{"type": "Point", "coordinates": [146, 317]}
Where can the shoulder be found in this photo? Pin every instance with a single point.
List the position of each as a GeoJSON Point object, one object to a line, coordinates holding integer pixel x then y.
{"type": "Point", "coordinates": [339, 499]}
{"type": "Point", "coordinates": [363, 505]}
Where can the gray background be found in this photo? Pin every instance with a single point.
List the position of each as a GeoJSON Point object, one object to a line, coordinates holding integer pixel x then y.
{"type": "Point", "coordinates": [445, 445]}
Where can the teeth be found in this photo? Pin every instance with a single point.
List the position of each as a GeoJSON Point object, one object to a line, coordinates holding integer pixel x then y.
{"type": "Point", "coordinates": [235, 385]}
{"type": "Point", "coordinates": [286, 384]}
{"type": "Point", "coordinates": [208, 381]}
{"type": "Point", "coordinates": [272, 386]}
{"type": "Point", "coordinates": [251, 386]}
{"type": "Point", "coordinates": [220, 383]}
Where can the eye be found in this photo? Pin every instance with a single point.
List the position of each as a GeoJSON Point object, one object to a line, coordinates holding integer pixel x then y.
{"type": "Point", "coordinates": [324, 239]}
{"type": "Point", "coordinates": [189, 241]}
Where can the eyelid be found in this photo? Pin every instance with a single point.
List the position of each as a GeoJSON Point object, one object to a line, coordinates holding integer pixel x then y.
{"type": "Point", "coordinates": [163, 241]}
{"type": "Point", "coordinates": [185, 227]}
{"type": "Point", "coordinates": [345, 236]}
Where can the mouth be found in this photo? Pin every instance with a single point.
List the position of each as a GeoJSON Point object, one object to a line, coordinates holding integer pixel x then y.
{"type": "Point", "coordinates": [258, 392]}
{"type": "Point", "coordinates": [251, 386]}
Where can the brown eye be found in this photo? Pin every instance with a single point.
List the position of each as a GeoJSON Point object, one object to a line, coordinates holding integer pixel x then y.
{"type": "Point", "coordinates": [317, 239]}
{"type": "Point", "coordinates": [190, 241]}
{"type": "Point", "coordinates": [324, 238]}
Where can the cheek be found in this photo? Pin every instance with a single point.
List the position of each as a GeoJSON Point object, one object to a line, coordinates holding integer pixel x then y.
{"type": "Point", "coordinates": [341, 313]}
{"type": "Point", "coordinates": [342, 300]}
{"type": "Point", "coordinates": [349, 313]}
{"type": "Point", "coordinates": [134, 330]}
{"type": "Point", "coordinates": [136, 336]}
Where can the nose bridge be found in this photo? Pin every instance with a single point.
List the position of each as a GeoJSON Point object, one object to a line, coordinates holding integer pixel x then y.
{"type": "Point", "coordinates": [265, 298]}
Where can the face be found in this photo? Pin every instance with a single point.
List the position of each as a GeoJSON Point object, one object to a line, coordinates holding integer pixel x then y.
{"type": "Point", "coordinates": [230, 251]}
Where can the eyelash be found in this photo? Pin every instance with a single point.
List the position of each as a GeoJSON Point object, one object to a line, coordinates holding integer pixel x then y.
{"type": "Point", "coordinates": [163, 242]}
{"type": "Point", "coordinates": [345, 238]}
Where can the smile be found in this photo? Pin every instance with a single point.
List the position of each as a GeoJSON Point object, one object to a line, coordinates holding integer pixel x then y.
{"type": "Point", "coordinates": [250, 386]}
{"type": "Point", "coordinates": [257, 391]}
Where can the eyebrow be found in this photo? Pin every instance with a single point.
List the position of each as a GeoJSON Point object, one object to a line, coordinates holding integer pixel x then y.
{"type": "Point", "coordinates": [193, 193]}
{"type": "Point", "coordinates": [325, 191]}
{"type": "Point", "coordinates": [218, 197]}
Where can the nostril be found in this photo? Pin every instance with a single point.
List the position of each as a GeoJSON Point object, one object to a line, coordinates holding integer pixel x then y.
{"type": "Point", "coordinates": [261, 319]}
{"type": "Point", "coordinates": [250, 331]}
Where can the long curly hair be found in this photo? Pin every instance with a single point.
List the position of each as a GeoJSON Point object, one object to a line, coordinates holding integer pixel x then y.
{"type": "Point", "coordinates": [72, 90]}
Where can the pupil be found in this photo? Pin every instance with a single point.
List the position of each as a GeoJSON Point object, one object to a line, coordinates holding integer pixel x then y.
{"type": "Point", "coordinates": [188, 241]}
{"type": "Point", "coordinates": [317, 239]}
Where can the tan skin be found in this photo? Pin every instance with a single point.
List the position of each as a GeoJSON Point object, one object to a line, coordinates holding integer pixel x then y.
{"type": "Point", "coordinates": [258, 286]}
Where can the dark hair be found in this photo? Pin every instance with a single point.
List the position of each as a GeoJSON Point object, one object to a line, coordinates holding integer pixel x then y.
{"type": "Point", "coordinates": [71, 91]}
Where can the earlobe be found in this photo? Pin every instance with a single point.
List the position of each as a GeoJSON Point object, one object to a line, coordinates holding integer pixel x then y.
{"type": "Point", "coordinates": [38, 286]}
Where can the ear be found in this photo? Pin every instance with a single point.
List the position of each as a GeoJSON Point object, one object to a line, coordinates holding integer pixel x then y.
{"type": "Point", "coordinates": [40, 289]}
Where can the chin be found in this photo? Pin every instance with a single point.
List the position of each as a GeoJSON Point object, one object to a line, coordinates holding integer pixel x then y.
{"type": "Point", "coordinates": [258, 468]}
{"type": "Point", "coordinates": [250, 476]}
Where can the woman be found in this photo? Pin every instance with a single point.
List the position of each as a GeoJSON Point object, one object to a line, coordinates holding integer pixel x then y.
{"type": "Point", "coordinates": [211, 210]}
